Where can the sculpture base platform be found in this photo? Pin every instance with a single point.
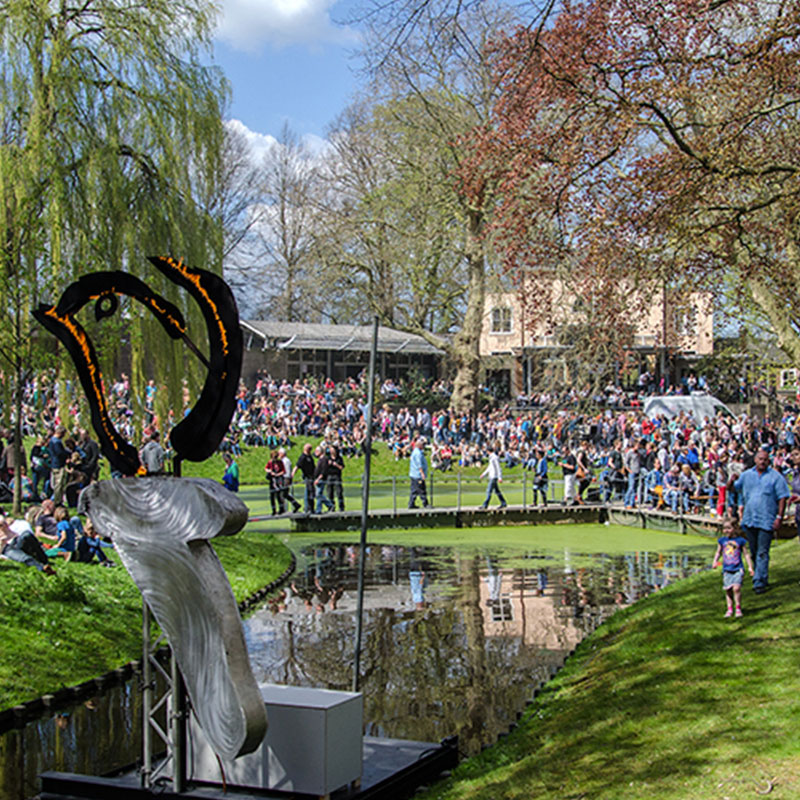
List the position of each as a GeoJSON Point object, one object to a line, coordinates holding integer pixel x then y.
{"type": "Point", "coordinates": [390, 768]}
{"type": "Point", "coordinates": [312, 747]}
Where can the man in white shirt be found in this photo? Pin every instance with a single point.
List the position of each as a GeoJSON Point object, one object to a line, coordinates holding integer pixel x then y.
{"type": "Point", "coordinates": [287, 477]}
{"type": "Point", "coordinates": [495, 474]}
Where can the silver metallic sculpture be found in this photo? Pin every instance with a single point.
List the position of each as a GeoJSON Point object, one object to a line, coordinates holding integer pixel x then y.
{"type": "Point", "coordinates": [161, 527]}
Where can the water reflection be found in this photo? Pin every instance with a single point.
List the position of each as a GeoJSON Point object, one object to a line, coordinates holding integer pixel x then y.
{"type": "Point", "coordinates": [454, 642]}
{"type": "Point", "coordinates": [91, 737]}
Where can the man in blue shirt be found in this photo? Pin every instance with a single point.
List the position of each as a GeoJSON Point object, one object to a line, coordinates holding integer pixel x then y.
{"type": "Point", "coordinates": [418, 472]}
{"type": "Point", "coordinates": [762, 493]}
{"type": "Point", "coordinates": [540, 477]}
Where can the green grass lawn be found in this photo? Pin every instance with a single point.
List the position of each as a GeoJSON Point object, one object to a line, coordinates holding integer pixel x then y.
{"type": "Point", "coordinates": [666, 700]}
{"type": "Point", "coordinates": [383, 465]}
{"type": "Point", "coordinates": [86, 620]}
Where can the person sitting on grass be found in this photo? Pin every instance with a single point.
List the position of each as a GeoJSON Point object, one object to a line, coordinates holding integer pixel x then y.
{"type": "Point", "coordinates": [90, 547]}
{"type": "Point", "coordinates": [65, 544]}
{"type": "Point", "coordinates": [26, 486]}
{"type": "Point", "coordinates": [731, 550]}
{"type": "Point", "coordinates": [17, 543]}
{"type": "Point", "coordinates": [42, 519]}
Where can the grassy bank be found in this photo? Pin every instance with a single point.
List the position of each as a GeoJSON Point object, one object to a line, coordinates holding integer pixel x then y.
{"type": "Point", "coordinates": [58, 631]}
{"type": "Point", "coordinates": [666, 700]}
{"type": "Point", "coordinates": [383, 464]}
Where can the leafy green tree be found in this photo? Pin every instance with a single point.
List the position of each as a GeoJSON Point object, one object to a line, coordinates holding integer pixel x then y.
{"type": "Point", "coordinates": [109, 151]}
{"type": "Point", "coordinates": [436, 53]}
{"type": "Point", "coordinates": [388, 228]}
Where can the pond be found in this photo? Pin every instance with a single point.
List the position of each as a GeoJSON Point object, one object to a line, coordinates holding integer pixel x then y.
{"type": "Point", "coordinates": [459, 628]}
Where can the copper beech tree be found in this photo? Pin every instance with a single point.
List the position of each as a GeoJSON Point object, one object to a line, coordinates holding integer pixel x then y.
{"type": "Point", "coordinates": [642, 146]}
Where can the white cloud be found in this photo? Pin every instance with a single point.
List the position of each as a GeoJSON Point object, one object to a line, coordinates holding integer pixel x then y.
{"type": "Point", "coordinates": [249, 24]}
{"type": "Point", "coordinates": [259, 143]}
{"type": "Point", "coordinates": [316, 145]}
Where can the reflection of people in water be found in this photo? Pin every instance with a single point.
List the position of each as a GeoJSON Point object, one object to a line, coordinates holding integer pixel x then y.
{"type": "Point", "coordinates": [326, 595]}
{"type": "Point", "coordinates": [305, 594]}
{"type": "Point", "coordinates": [417, 579]}
{"type": "Point", "coordinates": [494, 580]}
{"type": "Point", "coordinates": [277, 603]}
{"type": "Point", "coordinates": [418, 584]}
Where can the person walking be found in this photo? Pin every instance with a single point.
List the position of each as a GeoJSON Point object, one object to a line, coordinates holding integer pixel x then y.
{"type": "Point", "coordinates": [40, 464]}
{"type": "Point", "coordinates": [540, 477]}
{"type": "Point", "coordinates": [569, 466]}
{"type": "Point", "coordinates": [152, 455]}
{"type": "Point", "coordinates": [288, 497]}
{"type": "Point", "coordinates": [58, 462]}
{"type": "Point", "coordinates": [418, 473]}
{"type": "Point", "coordinates": [732, 554]}
{"type": "Point", "coordinates": [321, 480]}
{"type": "Point", "coordinates": [335, 468]}
{"type": "Point", "coordinates": [762, 493]}
{"type": "Point", "coordinates": [583, 470]}
{"type": "Point", "coordinates": [495, 474]}
{"type": "Point", "coordinates": [230, 479]}
{"type": "Point", "coordinates": [305, 463]}
{"type": "Point", "coordinates": [275, 473]}
{"type": "Point", "coordinates": [633, 465]}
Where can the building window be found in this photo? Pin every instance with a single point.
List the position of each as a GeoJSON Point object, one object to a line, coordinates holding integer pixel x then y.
{"type": "Point", "coordinates": [683, 320]}
{"type": "Point", "coordinates": [501, 319]}
{"type": "Point", "coordinates": [789, 379]}
{"type": "Point", "coordinates": [501, 610]}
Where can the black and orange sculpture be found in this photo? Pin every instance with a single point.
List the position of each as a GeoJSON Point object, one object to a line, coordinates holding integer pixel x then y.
{"type": "Point", "coordinates": [198, 435]}
{"type": "Point", "coordinates": [162, 526]}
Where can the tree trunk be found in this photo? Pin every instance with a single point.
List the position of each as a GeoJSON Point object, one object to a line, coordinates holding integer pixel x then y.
{"type": "Point", "coordinates": [18, 444]}
{"type": "Point", "coordinates": [465, 350]}
{"type": "Point", "coordinates": [775, 310]}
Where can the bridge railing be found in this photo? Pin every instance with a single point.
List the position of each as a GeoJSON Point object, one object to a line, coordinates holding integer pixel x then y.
{"type": "Point", "coordinates": [443, 491]}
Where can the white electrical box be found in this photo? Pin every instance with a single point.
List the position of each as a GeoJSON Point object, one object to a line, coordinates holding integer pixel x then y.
{"type": "Point", "coordinates": [313, 744]}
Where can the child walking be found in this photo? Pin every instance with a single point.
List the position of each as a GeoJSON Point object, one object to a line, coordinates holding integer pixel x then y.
{"type": "Point", "coordinates": [732, 550]}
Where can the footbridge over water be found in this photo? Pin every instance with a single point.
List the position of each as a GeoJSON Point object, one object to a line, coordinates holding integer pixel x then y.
{"type": "Point", "coordinates": [476, 516]}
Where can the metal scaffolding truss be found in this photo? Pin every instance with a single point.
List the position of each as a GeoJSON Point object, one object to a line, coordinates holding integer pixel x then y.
{"type": "Point", "coordinates": [174, 703]}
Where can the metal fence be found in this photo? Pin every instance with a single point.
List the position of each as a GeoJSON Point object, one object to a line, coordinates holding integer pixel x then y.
{"type": "Point", "coordinates": [443, 491]}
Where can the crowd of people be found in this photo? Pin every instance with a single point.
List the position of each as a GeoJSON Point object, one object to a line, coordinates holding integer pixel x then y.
{"type": "Point", "coordinates": [613, 453]}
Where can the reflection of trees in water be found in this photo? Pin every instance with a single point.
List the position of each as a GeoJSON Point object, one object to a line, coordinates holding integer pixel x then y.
{"type": "Point", "coordinates": [426, 674]}
{"type": "Point", "coordinates": [94, 737]}
{"type": "Point", "coordinates": [450, 667]}
{"type": "Point", "coordinates": [480, 715]}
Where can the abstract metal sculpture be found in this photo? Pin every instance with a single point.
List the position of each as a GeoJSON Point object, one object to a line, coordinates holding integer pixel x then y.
{"type": "Point", "coordinates": [197, 436]}
{"type": "Point", "coordinates": [161, 529]}
{"type": "Point", "coordinates": [161, 526]}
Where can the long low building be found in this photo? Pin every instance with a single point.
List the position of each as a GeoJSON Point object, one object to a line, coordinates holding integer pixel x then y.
{"type": "Point", "coordinates": [301, 349]}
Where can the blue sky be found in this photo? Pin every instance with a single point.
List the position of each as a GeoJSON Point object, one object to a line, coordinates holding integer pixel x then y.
{"type": "Point", "coordinates": [286, 61]}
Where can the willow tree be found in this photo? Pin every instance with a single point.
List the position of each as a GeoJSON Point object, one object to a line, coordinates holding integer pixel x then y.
{"type": "Point", "coordinates": [109, 150]}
